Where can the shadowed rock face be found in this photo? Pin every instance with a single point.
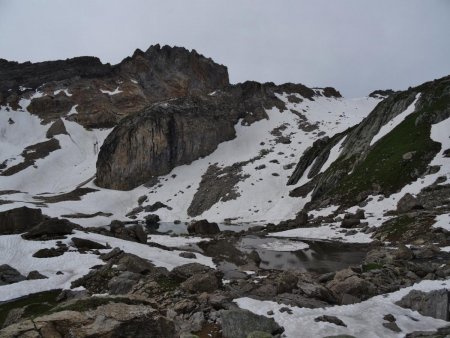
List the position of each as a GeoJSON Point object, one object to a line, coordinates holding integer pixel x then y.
{"type": "Point", "coordinates": [167, 134]}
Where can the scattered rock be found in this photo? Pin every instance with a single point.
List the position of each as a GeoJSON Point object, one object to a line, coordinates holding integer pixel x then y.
{"type": "Point", "coordinates": [240, 323]}
{"type": "Point", "coordinates": [433, 304]}
{"type": "Point", "coordinates": [206, 282]}
{"type": "Point", "coordinates": [392, 326]}
{"type": "Point", "coordinates": [330, 319]}
{"type": "Point", "coordinates": [57, 128]}
{"type": "Point", "coordinates": [156, 206]}
{"type": "Point", "coordinates": [19, 220]}
{"type": "Point", "coordinates": [142, 199]}
{"type": "Point", "coordinates": [133, 263]}
{"type": "Point", "coordinates": [189, 255]}
{"type": "Point", "coordinates": [152, 219]}
{"type": "Point", "coordinates": [112, 254]}
{"type": "Point", "coordinates": [389, 318]}
{"type": "Point", "coordinates": [9, 275]}
{"type": "Point", "coordinates": [86, 244]}
{"type": "Point", "coordinates": [131, 233]}
{"type": "Point", "coordinates": [408, 203]}
{"type": "Point", "coordinates": [35, 275]}
{"type": "Point", "coordinates": [203, 227]}
{"type": "Point", "coordinates": [350, 223]}
{"type": "Point", "coordinates": [50, 229]}
{"type": "Point", "coordinates": [183, 272]}
{"type": "Point", "coordinates": [49, 252]}
{"type": "Point", "coordinates": [408, 156]}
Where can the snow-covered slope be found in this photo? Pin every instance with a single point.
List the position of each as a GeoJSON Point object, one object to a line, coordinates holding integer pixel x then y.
{"type": "Point", "coordinates": [265, 162]}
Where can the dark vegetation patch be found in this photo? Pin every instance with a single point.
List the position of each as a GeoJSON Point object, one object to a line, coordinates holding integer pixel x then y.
{"type": "Point", "coordinates": [384, 164]}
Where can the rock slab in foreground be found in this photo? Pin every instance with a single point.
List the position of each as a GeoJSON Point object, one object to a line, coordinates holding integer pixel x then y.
{"type": "Point", "coordinates": [240, 323]}
{"type": "Point", "coordinates": [433, 304]}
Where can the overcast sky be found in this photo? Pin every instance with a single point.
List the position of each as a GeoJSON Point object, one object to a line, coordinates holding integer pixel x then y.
{"type": "Point", "coordinates": [356, 46]}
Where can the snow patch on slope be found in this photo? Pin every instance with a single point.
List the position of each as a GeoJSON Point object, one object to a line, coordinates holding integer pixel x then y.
{"type": "Point", "coordinates": [264, 196]}
{"type": "Point", "coordinates": [363, 320]}
{"type": "Point", "coordinates": [388, 127]}
{"type": "Point", "coordinates": [18, 253]}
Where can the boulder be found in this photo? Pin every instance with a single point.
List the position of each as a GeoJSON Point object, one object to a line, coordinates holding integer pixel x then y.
{"type": "Point", "coordinates": [123, 283]}
{"type": "Point", "coordinates": [134, 233]}
{"type": "Point", "coordinates": [50, 229]}
{"type": "Point", "coordinates": [16, 221]}
{"type": "Point", "coordinates": [183, 272]}
{"type": "Point", "coordinates": [9, 275]}
{"type": "Point", "coordinates": [49, 252]}
{"type": "Point", "coordinates": [330, 319]}
{"type": "Point", "coordinates": [87, 244]}
{"type": "Point", "coordinates": [301, 218]}
{"type": "Point", "coordinates": [349, 223]}
{"type": "Point", "coordinates": [408, 203]}
{"type": "Point", "coordinates": [133, 263]}
{"type": "Point", "coordinates": [139, 233]}
{"type": "Point", "coordinates": [152, 220]}
{"type": "Point", "coordinates": [35, 275]}
{"type": "Point", "coordinates": [205, 282]}
{"type": "Point", "coordinates": [348, 282]}
{"type": "Point", "coordinates": [240, 323]}
{"type": "Point", "coordinates": [57, 128]}
{"type": "Point", "coordinates": [433, 304]}
{"type": "Point", "coordinates": [203, 227]}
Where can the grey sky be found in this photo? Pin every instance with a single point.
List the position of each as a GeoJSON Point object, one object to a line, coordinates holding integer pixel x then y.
{"type": "Point", "coordinates": [354, 45]}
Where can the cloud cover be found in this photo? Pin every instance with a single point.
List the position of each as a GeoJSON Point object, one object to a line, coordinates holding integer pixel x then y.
{"type": "Point", "coordinates": [354, 45]}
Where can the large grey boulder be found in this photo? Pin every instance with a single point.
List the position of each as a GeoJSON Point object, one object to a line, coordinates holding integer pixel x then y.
{"type": "Point", "coordinates": [433, 304]}
{"type": "Point", "coordinates": [16, 221]}
{"type": "Point", "coordinates": [240, 323]}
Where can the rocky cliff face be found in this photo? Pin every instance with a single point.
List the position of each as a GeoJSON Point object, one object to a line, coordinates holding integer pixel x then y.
{"type": "Point", "coordinates": [99, 95]}
{"type": "Point", "coordinates": [163, 136]}
{"type": "Point", "coordinates": [176, 132]}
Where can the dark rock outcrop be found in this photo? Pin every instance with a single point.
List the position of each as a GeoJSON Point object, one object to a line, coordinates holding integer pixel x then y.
{"type": "Point", "coordinates": [50, 229]}
{"type": "Point", "coordinates": [145, 77]}
{"type": "Point", "coordinates": [86, 244]}
{"type": "Point", "coordinates": [318, 154]}
{"type": "Point", "coordinates": [434, 303]}
{"type": "Point", "coordinates": [240, 323]}
{"type": "Point", "coordinates": [203, 227]}
{"type": "Point", "coordinates": [16, 221]}
{"type": "Point", "coordinates": [408, 203]}
{"type": "Point", "coordinates": [9, 275]}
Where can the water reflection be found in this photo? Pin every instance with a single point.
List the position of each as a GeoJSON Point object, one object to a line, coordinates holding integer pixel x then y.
{"type": "Point", "coordinates": [320, 256]}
